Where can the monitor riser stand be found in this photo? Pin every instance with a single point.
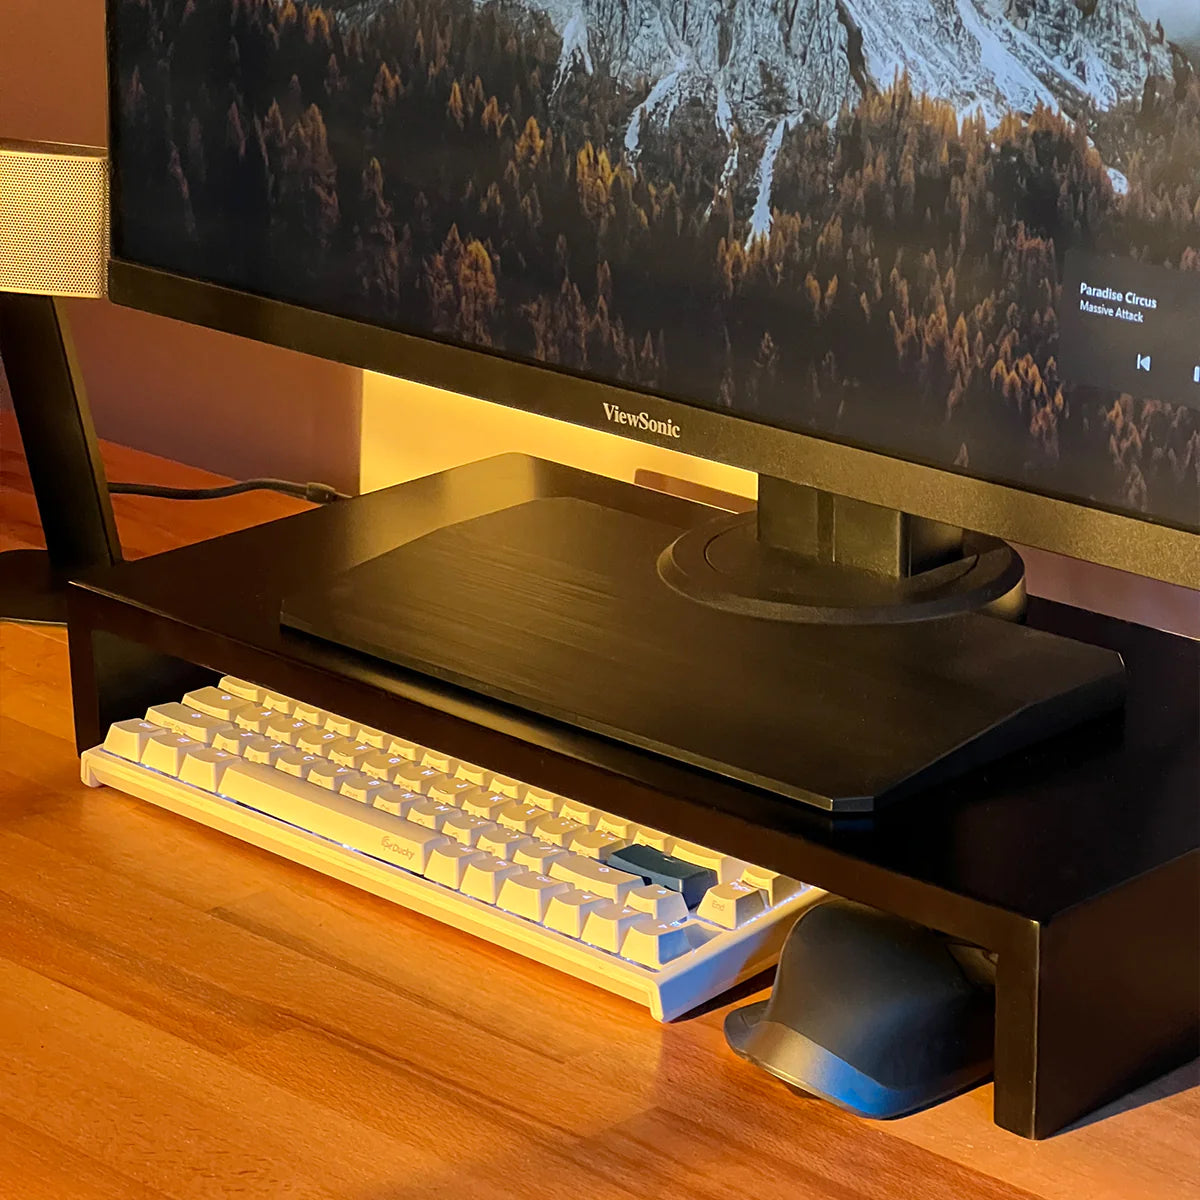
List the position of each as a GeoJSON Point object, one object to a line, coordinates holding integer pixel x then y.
{"type": "Point", "coordinates": [554, 603]}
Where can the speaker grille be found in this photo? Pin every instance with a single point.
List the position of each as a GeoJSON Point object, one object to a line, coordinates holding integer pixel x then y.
{"type": "Point", "coordinates": [53, 220]}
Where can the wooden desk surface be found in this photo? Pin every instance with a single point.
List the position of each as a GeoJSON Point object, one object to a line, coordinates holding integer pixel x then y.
{"type": "Point", "coordinates": [183, 1015]}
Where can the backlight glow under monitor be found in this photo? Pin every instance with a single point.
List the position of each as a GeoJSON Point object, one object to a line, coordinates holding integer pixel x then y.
{"type": "Point", "coordinates": [961, 232]}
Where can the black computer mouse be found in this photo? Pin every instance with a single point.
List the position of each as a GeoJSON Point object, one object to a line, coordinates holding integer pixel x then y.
{"type": "Point", "coordinates": [875, 1014]}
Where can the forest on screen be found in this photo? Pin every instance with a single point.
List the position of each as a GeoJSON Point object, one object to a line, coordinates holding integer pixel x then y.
{"type": "Point", "coordinates": [419, 173]}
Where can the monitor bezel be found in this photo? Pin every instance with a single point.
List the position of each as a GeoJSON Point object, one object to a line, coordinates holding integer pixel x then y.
{"type": "Point", "coordinates": [1056, 523]}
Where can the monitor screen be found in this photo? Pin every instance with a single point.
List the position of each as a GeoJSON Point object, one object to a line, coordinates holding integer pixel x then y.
{"type": "Point", "coordinates": [960, 232]}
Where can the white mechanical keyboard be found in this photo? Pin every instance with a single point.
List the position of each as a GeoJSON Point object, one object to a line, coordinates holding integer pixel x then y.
{"type": "Point", "coordinates": [654, 918]}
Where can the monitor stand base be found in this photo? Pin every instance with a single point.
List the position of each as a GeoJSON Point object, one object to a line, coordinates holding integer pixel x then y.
{"type": "Point", "coordinates": [29, 591]}
{"type": "Point", "coordinates": [541, 592]}
{"type": "Point", "coordinates": [814, 557]}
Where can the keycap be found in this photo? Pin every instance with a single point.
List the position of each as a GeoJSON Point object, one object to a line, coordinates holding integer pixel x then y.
{"type": "Point", "coordinates": [597, 844]}
{"type": "Point", "coordinates": [296, 762]}
{"type": "Point", "coordinates": [575, 810]}
{"type": "Point", "coordinates": [731, 904]}
{"type": "Point", "coordinates": [264, 750]}
{"type": "Point", "coordinates": [166, 751]}
{"type": "Point", "coordinates": [255, 720]}
{"type": "Point", "coordinates": [239, 741]}
{"type": "Point", "coordinates": [360, 787]}
{"type": "Point", "coordinates": [182, 719]}
{"type": "Point", "coordinates": [538, 856]}
{"type": "Point", "coordinates": [347, 752]}
{"type": "Point", "coordinates": [485, 876]}
{"type": "Point", "coordinates": [239, 687]}
{"type": "Point", "coordinates": [558, 831]}
{"type": "Point", "coordinates": [325, 774]}
{"type": "Point", "coordinates": [522, 817]}
{"type": "Point", "coordinates": [430, 813]}
{"type": "Point", "coordinates": [528, 894]}
{"type": "Point", "coordinates": [777, 887]}
{"type": "Point", "coordinates": [382, 765]}
{"type": "Point", "coordinates": [329, 815]}
{"type": "Point", "coordinates": [315, 740]}
{"type": "Point", "coordinates": [373, 737]}
{"type": "Point", "coordinates": [656, 838]}
{"type": "Point", "coordinates": [310, 713]}
{"type": "Point", "coordinates": [341, 725]}
{"type": "Point", "coordinates": [409, 845]}
{"type": "Point", "coordinates": [395, 800]}
{"type": "Point", "coordinates": [506, 786]}
{"type": "Point", "coordinates": [655, 943]}
{"type": "Point", "coordinates": [472, 774]}
{"type": "Point", "coordinates": [127, 739]}
{"type": "Point", "coordinates": [448, 864]}
{"type": "Point", "coordinates": [464, 828]}
{"type": "Point", "coordinates": [592, 876]}
{"type": "Point", "coordinates": [727, 869]}
{"type": "Point", "coordinates": [503, 843]}
{"type": "Point", "coordinates": [287, 729]}
{"type": "Point", "coordinates": [439, 762]}
{"type": "Point", "coordinates": [402, 748]}
{"type": "Point", "coordinates": [567, 912]}
{"type": "Point", "coordinates": [690, 880]}
{"type": "Point", "coordinates": [620, 826]}
{"type": "Point", "coordinates": [449, 789]}
{"type": "Point", "coordinates": [216, 702]}
{"type": "Point", "coordinates": [204, 766]}
{"type": "Point", "coordinates": [606, 926]}
{"type": "Point", "coordinates": [663, 904]}
{"type": "Point", "coordinates": [279, 702]}
{"type": "Point", "coordinates": [413, 776]}
{"type": "Point", "coordinates": [481, 802]}
{"type": "Point", "coordinates": [550, 801]}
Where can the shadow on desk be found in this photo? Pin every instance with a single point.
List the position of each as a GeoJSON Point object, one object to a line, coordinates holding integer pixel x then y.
{"type": "Point", "coordinates": [1173, 1083]}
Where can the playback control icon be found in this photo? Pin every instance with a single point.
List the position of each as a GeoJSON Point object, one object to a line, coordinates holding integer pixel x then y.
{"type": "Point", "coordinates": [1143, 362]}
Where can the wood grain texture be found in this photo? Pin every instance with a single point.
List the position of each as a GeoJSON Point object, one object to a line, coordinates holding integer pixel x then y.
{"type": "Point", "coordinates": [182, 1015]}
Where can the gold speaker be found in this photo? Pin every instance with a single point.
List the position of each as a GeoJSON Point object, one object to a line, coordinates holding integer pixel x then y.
{"type": "Point", "coordinates": [53, 244]}
{"type": "Point", "coordinates": [53, 219]}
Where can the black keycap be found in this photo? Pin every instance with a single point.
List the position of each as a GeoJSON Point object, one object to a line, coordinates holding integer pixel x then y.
{"type": "Point", "coordinates": [656, 867]}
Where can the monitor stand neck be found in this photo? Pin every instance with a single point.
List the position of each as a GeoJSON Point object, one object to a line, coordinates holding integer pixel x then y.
{"type": "Point", "coordinates": [65, 469]}
{"type": "Point", "coordinates": [815, 557]}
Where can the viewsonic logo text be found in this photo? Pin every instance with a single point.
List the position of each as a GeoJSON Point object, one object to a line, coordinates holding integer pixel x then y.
{"type": "Point", "coordinates": [643, 421]}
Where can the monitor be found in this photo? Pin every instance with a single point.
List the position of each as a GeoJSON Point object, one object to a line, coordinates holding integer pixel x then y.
{"type": "Point", "coordinates": [941, 255]}
{"type": "Point", "coordinates": [931, 268]}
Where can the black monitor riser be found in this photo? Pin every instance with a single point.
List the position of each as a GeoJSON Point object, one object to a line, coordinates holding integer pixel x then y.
{"type": "Point", "coordinates": [1074, 860]}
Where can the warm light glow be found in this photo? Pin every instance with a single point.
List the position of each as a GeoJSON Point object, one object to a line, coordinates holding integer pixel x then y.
{"type": "Point", "coordinates": [409, 430]}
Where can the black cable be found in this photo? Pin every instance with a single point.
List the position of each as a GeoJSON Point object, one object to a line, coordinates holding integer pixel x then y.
{"type": "Point", "coordinates": [315, 493]}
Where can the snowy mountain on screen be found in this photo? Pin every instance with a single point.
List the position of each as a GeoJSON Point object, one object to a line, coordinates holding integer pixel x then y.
{"type": "Point", "coordinates": [759, 66]}
{"type": "Point", "coordinates": [759, 60]}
